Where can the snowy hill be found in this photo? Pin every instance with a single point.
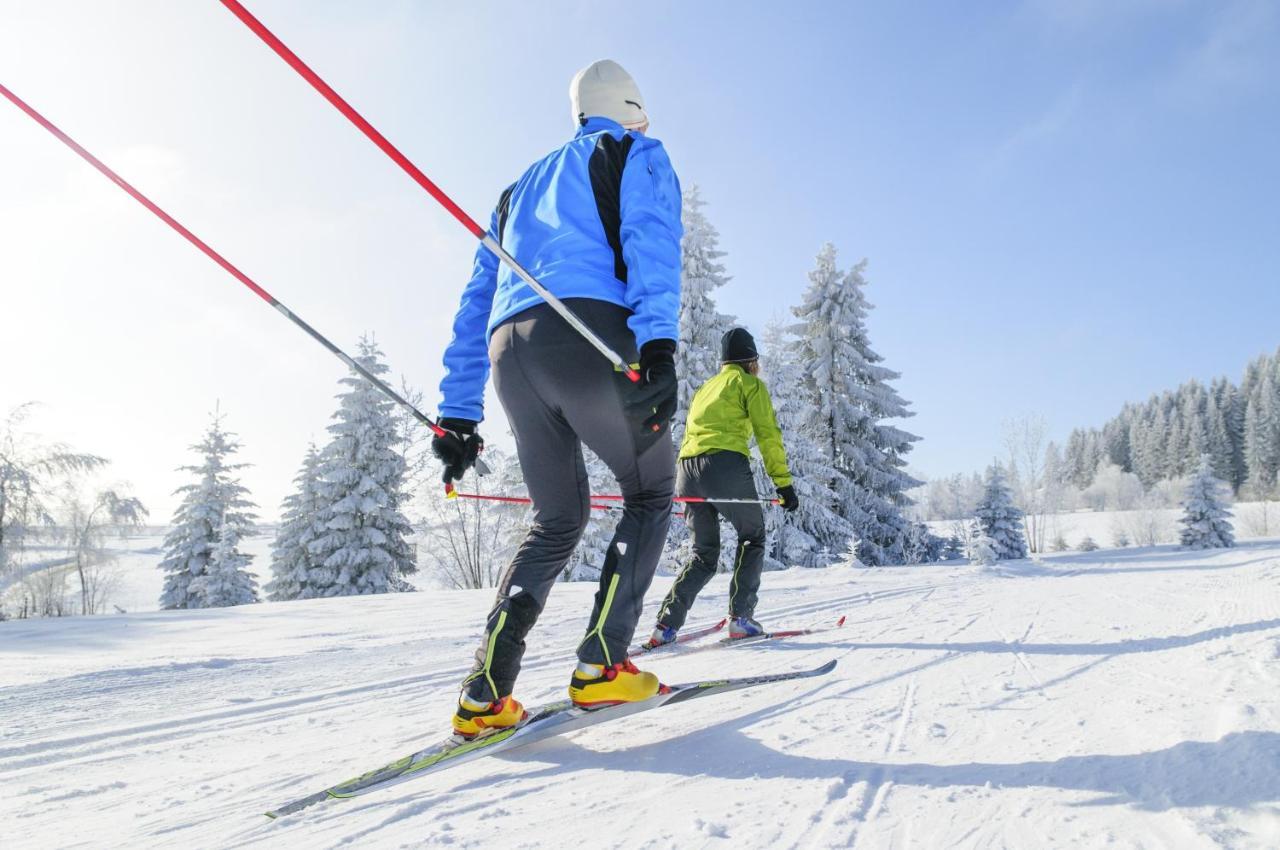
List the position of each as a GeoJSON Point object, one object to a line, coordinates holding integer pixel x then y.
{"type": "Point", "coordinates": [1118, 699]}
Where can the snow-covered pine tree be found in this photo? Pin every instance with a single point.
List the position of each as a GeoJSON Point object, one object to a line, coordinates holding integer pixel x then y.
{"type": "Point", "coordinates": [1206, 519]}
{"type": "Point", "coordinates": [1193, 410]}
{"type": "Point", "coordinates": [364, 547]}
{"type": "Point", "coordinates": [1218, 411]}
{"type": "Point", "coordinates": [292, 562]}
{"type": "Point", "coordinates": [1230, 406]}
{"type": "Point", "coordinates": [999, 519]}
{"type": "Point", "coordinates": [226, 580]}
{"type": "Point", "coordinates": [203, 567]}
{"type": "Point", "coordinates": [852, 399]}
{"type": "Point", "coordinates": [981, 550]}
{"type": "Point", "coordinates": [701, 325]}
{"type": "Point", "coordinates": [815, 533]}
{"type": "Point", "coordinates": [1262, 432]}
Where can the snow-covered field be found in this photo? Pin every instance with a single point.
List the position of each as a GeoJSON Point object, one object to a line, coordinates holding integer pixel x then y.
{"type": "Point", "coordinates": [1118, 699]}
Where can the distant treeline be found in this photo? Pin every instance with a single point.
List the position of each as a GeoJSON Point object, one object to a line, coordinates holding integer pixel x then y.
{"type": "Point", "coordinates": [1238, 426]}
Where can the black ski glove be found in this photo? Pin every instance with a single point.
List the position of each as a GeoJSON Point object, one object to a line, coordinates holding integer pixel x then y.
{"type": "Point", "coordinates": [652, 402]}
{"type": "Point", "coordinates": [789, 501]}
{"type": "Point", "coordinates": [457, 448]}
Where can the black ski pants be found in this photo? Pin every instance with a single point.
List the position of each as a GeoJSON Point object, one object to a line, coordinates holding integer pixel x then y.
{"type": "Point", "coordinates": [727, 475]}
{"type": "Point", "coordinates": [559, 393]}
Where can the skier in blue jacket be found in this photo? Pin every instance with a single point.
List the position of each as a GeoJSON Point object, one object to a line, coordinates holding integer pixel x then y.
{"type": "Point", "coordinates": [597, 222]}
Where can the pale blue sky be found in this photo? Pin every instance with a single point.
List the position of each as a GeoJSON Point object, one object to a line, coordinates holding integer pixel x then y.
{"type": "Point", "coordinates": [1065, 205]}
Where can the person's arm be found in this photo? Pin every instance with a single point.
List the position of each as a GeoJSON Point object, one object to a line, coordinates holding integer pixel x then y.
{"type": "Point", "coordinates": [466, 359]}
{"type": "Point", "coordinates": [650, 231]}
{"type": "Point", "coordinates": [768, 435]}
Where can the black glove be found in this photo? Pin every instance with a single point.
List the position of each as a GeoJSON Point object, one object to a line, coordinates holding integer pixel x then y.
{"type": "Point", "coordinates": [789, 500]}
{"type": "Point", "coordinates": [652, 402]}
{"type": "Point", "coordinates": [457, 448]}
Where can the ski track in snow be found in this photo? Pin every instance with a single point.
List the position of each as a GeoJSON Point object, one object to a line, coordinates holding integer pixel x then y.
{"type": "Point", "coordinates": [1117, 699]}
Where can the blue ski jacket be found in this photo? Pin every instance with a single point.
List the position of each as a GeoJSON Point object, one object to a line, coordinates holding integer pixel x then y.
{"type": "Point", "coordinates": [597, 218]}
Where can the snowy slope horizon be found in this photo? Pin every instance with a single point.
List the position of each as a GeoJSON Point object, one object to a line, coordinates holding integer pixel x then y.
{"type": "Point", "coordinates": [137, 582]}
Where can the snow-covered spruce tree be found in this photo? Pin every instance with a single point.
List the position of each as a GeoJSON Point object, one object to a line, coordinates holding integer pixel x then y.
{"type": "Point", "coordinates": [999, 519]}
{"type": "Point", "coordinates": [1262, 432]}
{"type": "Point", "coordinates": [982, 549]}
{"type": "Point", "coordinates": [1206, 518]}
{"type": "Point", "coordinates": [292, 561]}
{"type": "Point", "coordinates": [852, 399]}
{"type": "Point", "coordinates": [202, 566]}
{"type": "Point", "coordinates": [226, 580]}
{"type": "Point", "coordinates": [815, 534]}
{"type": "Point", "coordinates": [701, 325]}
{"type": "Point", "coordinates": [364, 547]}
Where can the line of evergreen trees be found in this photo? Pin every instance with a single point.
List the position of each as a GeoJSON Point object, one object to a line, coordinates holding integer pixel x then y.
{"type": "Point", "coordinates": [1237, 426]}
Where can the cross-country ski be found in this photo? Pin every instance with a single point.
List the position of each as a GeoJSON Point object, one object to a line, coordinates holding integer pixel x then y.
{"type": "Point", "coordinates": [557, 718]}
{"type": "Point", "coordinates": [683, 638]}
{"type": "Point", "coordinates": [904, 377]}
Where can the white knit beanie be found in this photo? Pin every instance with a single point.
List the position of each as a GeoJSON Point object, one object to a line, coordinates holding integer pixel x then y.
{"type": "Point", "coordinates": [604, 88]}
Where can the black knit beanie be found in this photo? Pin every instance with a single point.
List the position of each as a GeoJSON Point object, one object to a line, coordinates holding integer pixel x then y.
{"type": "Point", "coordinates": [738, 346]}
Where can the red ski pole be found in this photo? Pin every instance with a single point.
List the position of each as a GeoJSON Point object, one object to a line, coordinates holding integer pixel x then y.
{"type": "Point", "coordinates": [698, 500]}
{"type": "Point", "coordinates": [225, 263]}
{"type": "Point", "coordinates": [451, 493]}
{"type": "Point", "coordinates": [425, 182]}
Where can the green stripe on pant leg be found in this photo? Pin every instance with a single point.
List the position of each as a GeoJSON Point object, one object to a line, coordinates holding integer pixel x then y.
{"type": "Point", "coordinates": [737, 565]}
{"type": "Point", "coordinates": [671, 594]}
{"type": "Point", "coordinates": [597, 631]}
{"type": "Point", "coordinates": [488, 658]}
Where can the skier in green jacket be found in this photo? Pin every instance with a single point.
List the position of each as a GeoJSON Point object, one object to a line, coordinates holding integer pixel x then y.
{"type": "Point", "coordinates": [715, 464]}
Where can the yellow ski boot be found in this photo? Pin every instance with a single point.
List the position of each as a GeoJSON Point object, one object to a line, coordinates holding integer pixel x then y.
{"type": "Point", "coordinates": [473, 719]}
{"type": "Point", "coordinates": [596, 686]}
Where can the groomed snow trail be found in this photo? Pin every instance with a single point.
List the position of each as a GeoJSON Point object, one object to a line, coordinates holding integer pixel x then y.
{"type": "Point", "coordinates": [1123, 698]}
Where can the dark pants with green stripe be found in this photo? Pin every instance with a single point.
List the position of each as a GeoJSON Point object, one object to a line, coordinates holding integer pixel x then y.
{"type": "Point", "coordinates": [726, 475]}
{"type": "Point", "coordinates": [560, 393]}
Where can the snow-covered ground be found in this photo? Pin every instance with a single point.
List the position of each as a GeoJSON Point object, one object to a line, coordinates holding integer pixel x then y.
{"type": "Point", "coordinates": [1117, 699]}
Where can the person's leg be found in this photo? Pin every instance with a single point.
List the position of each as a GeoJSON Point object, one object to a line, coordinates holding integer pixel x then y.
{"type": "Point", "coordinates": [633, 553]}
{"type": "Point", "coordinates": [551, 462]}
{"type": "Point", "coordinates": [704, 523]}
{"type": "Point", "coordinates": [748, 561]}
{"type": "Point", "coordinates": [590, 394]}
{"type": "Point", "coordinates": [728, 475]}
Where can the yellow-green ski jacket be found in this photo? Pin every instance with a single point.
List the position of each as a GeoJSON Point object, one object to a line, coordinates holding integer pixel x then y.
{"type": "Point", "coordinates": [724, 412]}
